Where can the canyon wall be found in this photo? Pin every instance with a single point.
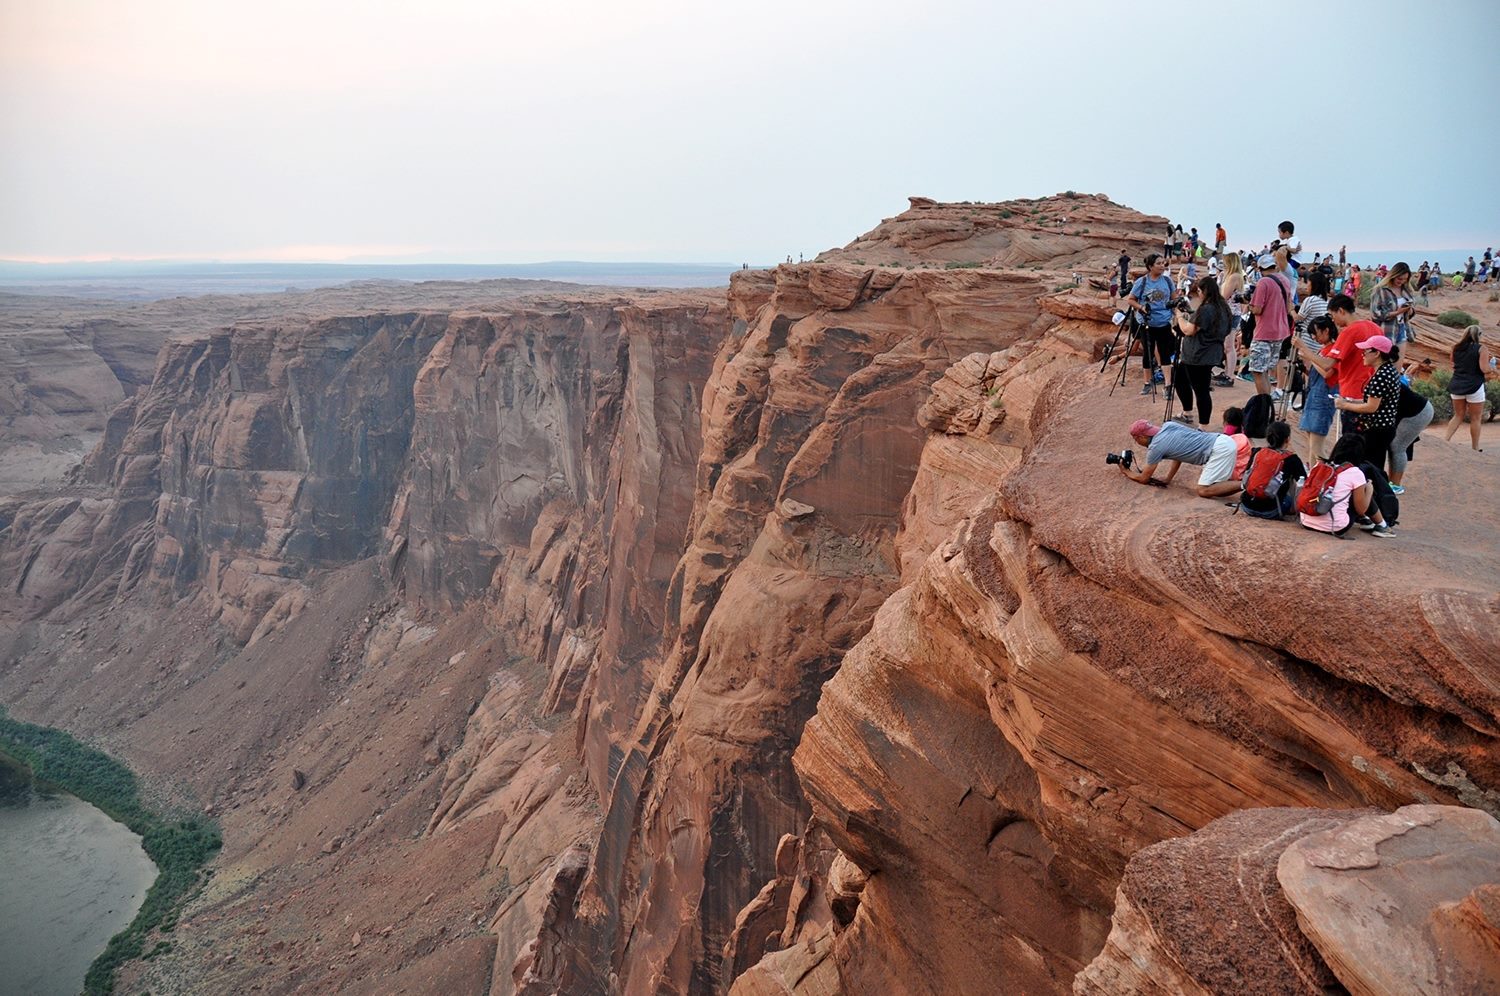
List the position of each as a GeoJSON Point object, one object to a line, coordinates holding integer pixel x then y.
{"type": "Point", "coordinates": [791, 640]}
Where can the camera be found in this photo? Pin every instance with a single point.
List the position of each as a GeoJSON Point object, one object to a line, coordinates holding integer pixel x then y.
{"type": "Point", "coordinates": [1124, 458]}
{"type": "Point", "coordinates": [1183, 306]}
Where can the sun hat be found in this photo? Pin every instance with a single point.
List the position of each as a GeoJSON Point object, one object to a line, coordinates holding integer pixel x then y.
{"type": "Point", "coordinates": [1379, 343]}
{"type": "Point", "coordinates": [1142, 427]}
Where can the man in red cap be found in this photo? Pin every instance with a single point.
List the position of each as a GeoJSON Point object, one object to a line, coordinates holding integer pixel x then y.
{"type": "Point", "coordinates": [1178, 444]}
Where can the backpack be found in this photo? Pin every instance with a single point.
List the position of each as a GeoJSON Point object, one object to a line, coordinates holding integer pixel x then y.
{"type": "Point", "coordinates": [1264, 477]}
{"type": "Point", "coordinates": [1257, 420]}
{"type": "Point", "coordinates": [1385, 498]}
{"type": "Point", "coordinates": [1316, 497]}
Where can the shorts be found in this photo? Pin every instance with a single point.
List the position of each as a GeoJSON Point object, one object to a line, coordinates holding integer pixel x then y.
{"type": "Point", "coordinates": [1475, 397]}
{"type": "Point", "coordinates": [1220, 465]}
{"type": "Point", "coordinates": [1263, 355]}
{"type": "Point", "coordinates": [1160, 340]}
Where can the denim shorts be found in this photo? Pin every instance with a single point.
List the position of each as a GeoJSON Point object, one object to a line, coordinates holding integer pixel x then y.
{"type": "Point", "coordinates": [1317, 410]}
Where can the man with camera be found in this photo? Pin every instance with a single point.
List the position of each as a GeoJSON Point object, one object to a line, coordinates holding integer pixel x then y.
{"type": "Point", "coordinates": [1178, 444]}
{"type": "Point", "coordinates": [1153, 296]}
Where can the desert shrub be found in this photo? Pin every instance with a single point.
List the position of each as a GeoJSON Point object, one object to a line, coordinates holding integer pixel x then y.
{"type": "Point", "coordinates": [1456, 318]}
{"type": "Point", "coordinates": [1366, 291]}
{"type": "Point", "coordinates": [962, 266]}
{"type": "Point", "coordinates": [1006, 212]}
{"type": "Point", "coordinates": [1070, 194]}
{"type": "Point", "coordinates": [1435, 390]}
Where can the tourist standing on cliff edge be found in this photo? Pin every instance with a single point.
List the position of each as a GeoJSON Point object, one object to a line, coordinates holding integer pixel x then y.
{"type": "Point", "coordinates": [1152, 294]}
{"type": "Point", "coordinates": [1203, 331]}
{"type": "Point", "coordinates": [1271, 305]}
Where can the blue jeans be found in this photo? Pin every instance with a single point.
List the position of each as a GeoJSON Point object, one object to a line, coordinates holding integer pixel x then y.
{"type": "Point", "coordinates": [1317, 410]}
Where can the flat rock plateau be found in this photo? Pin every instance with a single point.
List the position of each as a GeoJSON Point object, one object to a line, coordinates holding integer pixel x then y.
{"type": "Point", "coordinates": [794, 638]}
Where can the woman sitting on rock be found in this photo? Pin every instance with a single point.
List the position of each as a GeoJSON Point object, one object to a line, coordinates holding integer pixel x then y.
{"type": "Point", "coordinates": [1352, 495]}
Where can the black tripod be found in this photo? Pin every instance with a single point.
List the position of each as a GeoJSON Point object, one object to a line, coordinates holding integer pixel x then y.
{"type": "Point", "coordinates": [1135, 333]}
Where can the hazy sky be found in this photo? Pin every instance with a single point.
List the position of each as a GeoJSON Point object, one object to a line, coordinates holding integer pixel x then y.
{"type": "Point", "coordinates": [655, 130]}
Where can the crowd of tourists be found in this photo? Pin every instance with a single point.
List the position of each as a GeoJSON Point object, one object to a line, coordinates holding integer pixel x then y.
{"type": "Point", "coordinates": [1203, 315]}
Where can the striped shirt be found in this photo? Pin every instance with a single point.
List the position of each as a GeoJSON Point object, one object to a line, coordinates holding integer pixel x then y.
{"type": "Point", "coordinates": [1312, 307]}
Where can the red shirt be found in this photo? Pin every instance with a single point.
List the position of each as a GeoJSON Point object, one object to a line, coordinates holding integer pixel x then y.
{"type": "Point", "coordinates": [1349, 371]}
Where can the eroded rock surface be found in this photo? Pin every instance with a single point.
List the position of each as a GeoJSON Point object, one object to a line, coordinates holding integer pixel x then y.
{"type": "Point", "coordinates": [1404, 902]}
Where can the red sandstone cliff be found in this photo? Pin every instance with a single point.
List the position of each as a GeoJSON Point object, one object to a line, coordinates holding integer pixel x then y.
{"type": "Point", "coordinates": [798, 642]}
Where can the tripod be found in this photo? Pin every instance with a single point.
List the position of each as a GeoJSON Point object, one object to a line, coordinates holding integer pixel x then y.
{"type": "Point", "coordinates": [1135, 333]}
{"type": "Point", "coordinates": [1171, 384]}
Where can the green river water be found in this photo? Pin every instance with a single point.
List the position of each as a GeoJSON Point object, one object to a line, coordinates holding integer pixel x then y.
{"type": "Point", "coordinates": [70, 878]}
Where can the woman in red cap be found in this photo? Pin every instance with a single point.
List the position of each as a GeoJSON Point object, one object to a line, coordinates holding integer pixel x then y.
{"type": "Point", "coordinates": [1376, 413]}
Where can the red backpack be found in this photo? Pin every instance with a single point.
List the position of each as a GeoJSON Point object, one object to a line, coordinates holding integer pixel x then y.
{"type": "Point", "coordinates": [1264, 476]}
{"type": "Point", "coordinates": [1316, 497]}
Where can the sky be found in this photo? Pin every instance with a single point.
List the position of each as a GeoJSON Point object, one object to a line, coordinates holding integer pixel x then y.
{"type": "Point", "coordinates": [504, 131]}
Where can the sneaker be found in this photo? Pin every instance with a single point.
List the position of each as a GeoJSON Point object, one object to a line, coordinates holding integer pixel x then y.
{"type": "Point", "coordinates": [1147, 389]}
{"type": "Point", "coordinates": [1276, 393]}
{"type": "Point", "coordinates": [1223, 380]}
{"type": "Point", "coordinates": [1383, 531]}
{"type": "Point", "coordinates": [1397, 489]}
{"type": "Point", "coordinates": [1297, 406]}
{"type": "Point", "coordinates": [1364, 522]}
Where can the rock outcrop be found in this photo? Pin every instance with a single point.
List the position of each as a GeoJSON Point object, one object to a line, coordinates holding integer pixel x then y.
{"type": "Point", "coordinates": [797, 640]}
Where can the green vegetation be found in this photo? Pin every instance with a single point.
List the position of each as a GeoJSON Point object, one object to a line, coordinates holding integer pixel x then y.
{"type": "Point", "coordinates": [962, 266]}
{"type": "Point", "coordinates": [1366, 289]}
{"type": "Point", "coordinates": [179, 847]}
{"type": "Point", "coordinates": [1457, 318]}
{"type": "Point", "coordinates": [1006, 212]}
{"type": "Point", "coordinates": [1070, 194]}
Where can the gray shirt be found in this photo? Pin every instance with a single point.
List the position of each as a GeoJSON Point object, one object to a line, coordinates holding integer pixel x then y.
{"type": "Point", "coordinates": [1175, 441]}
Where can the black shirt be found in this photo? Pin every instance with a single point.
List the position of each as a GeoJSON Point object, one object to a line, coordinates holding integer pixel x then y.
{"type": "Point", "coordinates": [1206, 347]}
{"type": "Point", "coordinates": [1385, 384]}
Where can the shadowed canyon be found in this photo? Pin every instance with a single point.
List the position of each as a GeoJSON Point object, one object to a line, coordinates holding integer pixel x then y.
{"type": "Point", "coordinates": [794, 638]}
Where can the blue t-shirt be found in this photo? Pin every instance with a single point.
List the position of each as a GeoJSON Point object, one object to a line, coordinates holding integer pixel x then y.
{"type": "Point", "coordinates": [1156, 295]}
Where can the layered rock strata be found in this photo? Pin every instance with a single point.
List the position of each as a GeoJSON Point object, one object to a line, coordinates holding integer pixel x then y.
{"type": "Point", "coordinates": [798, 640]}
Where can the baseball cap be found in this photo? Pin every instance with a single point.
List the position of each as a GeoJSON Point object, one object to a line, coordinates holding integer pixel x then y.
{"type": "Point", "coordinates": [1379, 343]}
{"type": "Point", "coordinates": [1141, 427]}
{"type": "Point", "coordinates": [1266, 262]}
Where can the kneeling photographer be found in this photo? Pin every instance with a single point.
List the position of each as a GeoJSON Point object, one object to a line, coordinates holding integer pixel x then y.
{"type": "Point", "coordinates": [1178, 444]}
{"type": "Point", "coordinates": [1203, 319]}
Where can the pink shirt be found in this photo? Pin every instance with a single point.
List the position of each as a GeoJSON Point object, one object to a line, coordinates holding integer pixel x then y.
{"type": "Point", "coordinates": [1271, 296]}
{"type": "Point", "coordinates": [1338, 517]}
